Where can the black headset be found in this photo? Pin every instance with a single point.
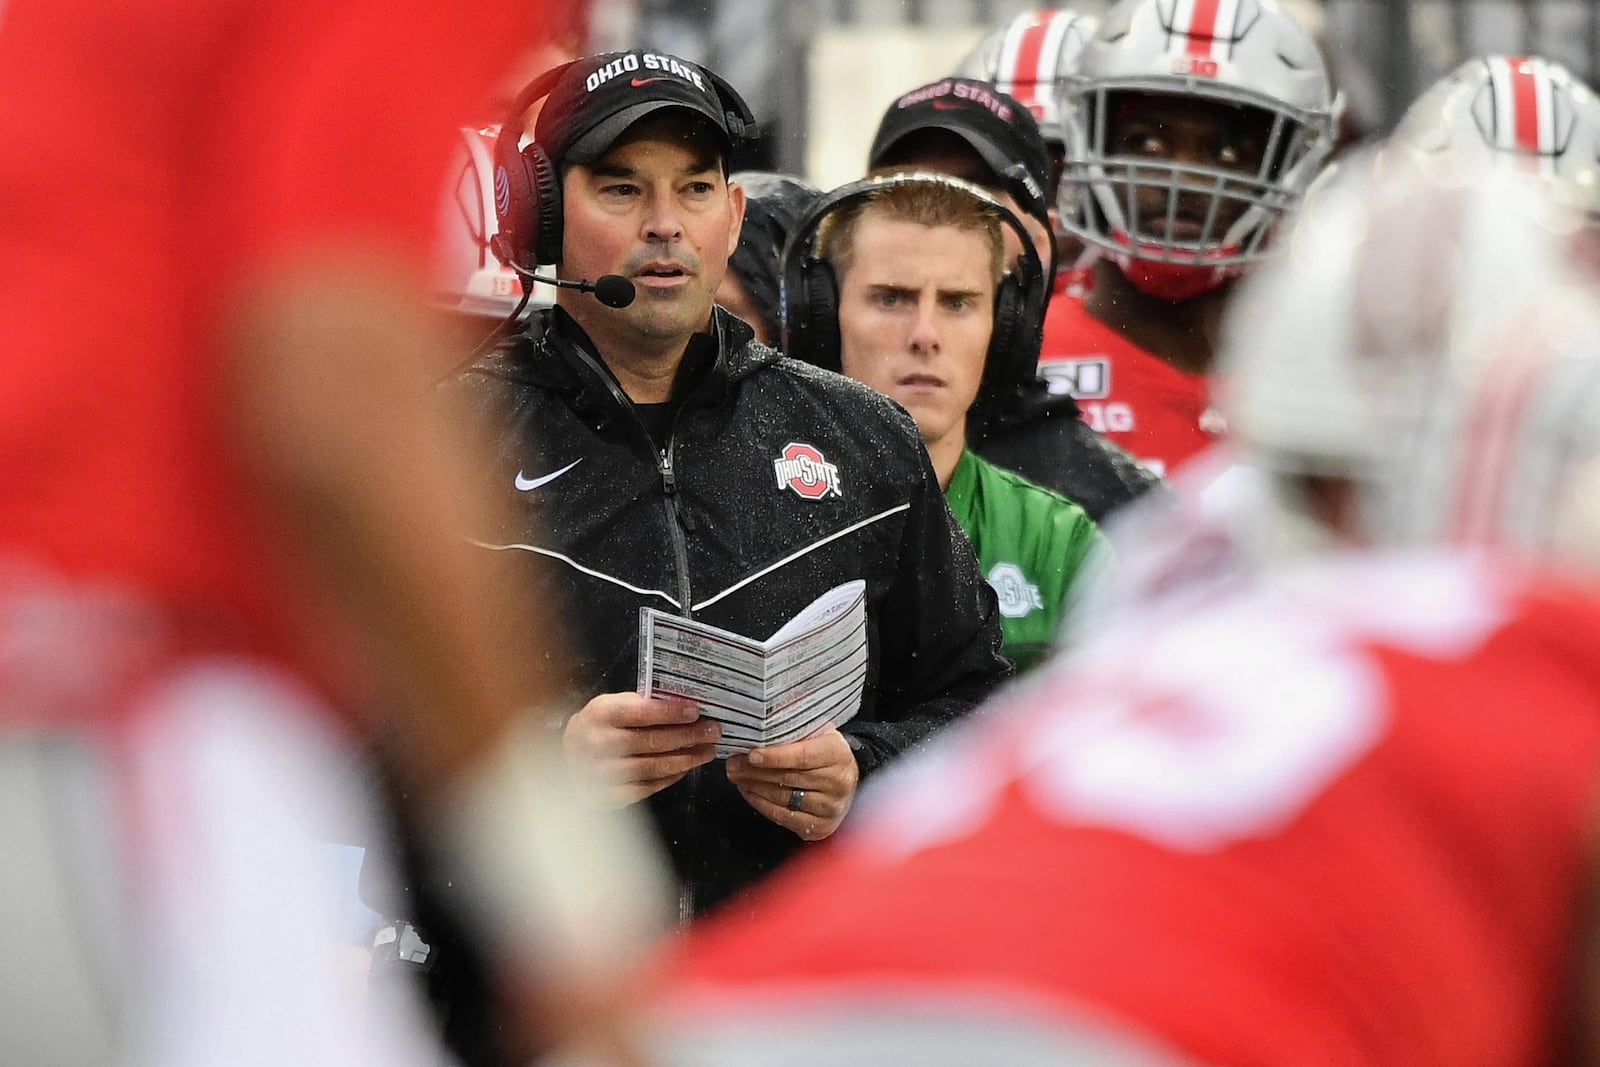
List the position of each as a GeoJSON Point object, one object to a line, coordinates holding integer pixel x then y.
{"type": "Point", "coordinates": [810, 293]}
{"type": "Point", "coordinates": [527, 182]}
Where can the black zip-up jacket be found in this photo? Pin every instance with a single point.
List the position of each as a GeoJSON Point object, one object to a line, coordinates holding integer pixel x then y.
{"type": "Point", "coordinates": [721, 523]}
{"type": "Point", "coordinates": [1042, 436]}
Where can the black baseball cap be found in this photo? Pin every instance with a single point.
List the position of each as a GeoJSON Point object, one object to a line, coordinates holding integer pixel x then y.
{"type": "Point", "coordinates": [598, 97]}
{"type": "Point", "coordinates": [996, 126]}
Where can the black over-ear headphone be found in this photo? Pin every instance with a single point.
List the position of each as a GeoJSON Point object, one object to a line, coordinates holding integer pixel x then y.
{"type": "Point", "coordinates": [527, 182]}
{"type": "Point", "coordinates": [810, 292]}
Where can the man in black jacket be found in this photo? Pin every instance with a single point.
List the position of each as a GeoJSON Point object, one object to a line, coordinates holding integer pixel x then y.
{"type": "Point", "coordinates": [658, 456]}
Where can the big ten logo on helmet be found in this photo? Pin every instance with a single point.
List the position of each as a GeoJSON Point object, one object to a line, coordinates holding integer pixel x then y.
{"type": "Point", "coordinates": [1196, 66]}
{"type": "Point", "coordinates": [634, 61]}
{"type": "Point", "coordinates": [1086, 379]}
{"type": "Point", "coordinates": [802, 468]}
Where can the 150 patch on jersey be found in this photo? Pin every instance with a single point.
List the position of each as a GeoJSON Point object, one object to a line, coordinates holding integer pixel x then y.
{"type": "Point", "coordinates": [802, 468]}
{"type": "Point", "coordinates": [1086, 379]}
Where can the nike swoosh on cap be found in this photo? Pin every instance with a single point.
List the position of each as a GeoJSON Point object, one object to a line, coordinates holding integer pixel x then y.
{"type": "Point", "coordinates": [525, 483]}
{"type": "Point", "coordinates": [645, 81]}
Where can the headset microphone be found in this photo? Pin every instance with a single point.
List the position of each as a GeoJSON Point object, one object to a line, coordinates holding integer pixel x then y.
{"type": "Point", "coordinates": [612, 290]}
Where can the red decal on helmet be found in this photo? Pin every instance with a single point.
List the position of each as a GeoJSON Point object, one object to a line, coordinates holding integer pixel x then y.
{"type": "Point", "coordinates": [1203, 27]}
{"type": "Point", "coordinates": [1525, 103]}
{"type": "Point", "coordinates": [1026, 76]}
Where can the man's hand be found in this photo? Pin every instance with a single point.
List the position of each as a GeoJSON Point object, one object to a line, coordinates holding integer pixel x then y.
{"type": "Point", "coordinates": [633, 746]}
{"type": "Point", "coordinates": [820, 773]}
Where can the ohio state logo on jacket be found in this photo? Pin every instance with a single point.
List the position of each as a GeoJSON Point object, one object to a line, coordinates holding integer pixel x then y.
{"type": "Point", "coordinates": [802, 468]}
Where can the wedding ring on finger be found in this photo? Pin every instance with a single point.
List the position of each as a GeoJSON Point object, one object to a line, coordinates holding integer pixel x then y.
{"type": "Point", "coordinates": [796, 798]}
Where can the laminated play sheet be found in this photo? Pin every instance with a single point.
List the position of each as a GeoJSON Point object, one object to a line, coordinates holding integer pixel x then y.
{"type": "Point", "coordinates": [804, 679]}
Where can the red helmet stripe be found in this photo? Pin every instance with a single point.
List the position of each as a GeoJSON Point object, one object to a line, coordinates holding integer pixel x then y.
{"type": "Point", "coordinates": [1525, 104]}
{"type": "Point", "coordinates": [1030, 50]}
{"type": "Point", "coordinates": [1203, 27]}
{"type": "Point", "coordinates": [1495, 425]}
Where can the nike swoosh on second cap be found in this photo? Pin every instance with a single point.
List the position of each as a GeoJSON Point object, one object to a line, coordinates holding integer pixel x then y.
{"type": "Point", "coordinates": [525, 483]}
{"type": "Point", "coordinates": [644, 81]}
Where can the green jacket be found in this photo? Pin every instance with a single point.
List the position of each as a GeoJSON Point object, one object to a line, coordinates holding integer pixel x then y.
{"type": "Point", "coordinates": [1033, 545]}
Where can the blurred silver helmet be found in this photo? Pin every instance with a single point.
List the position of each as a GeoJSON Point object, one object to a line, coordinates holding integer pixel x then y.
{"type": "Point", "coordinates": [1431, 334]}
{"type": "Point", "coordinates": [1029, 58]}
{"type": "Point", "coordinates": [1249, 56]}
{"type": "Point", "coordinates": [1520, 111]}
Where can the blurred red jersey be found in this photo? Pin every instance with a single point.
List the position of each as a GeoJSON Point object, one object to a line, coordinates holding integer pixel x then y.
{"type": "Point", "coordinates": [158, 157]}
{"type": "Point", "coordinates": [1317, 824]}
{"type": "Point", "coordinates": [1155, 411]}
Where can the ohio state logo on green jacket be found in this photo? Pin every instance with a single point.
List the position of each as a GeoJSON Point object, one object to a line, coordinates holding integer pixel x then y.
{"type": "Point", "coordinates": [802, 468]}
{"type": "Point", "coordinates": [1018, 597]}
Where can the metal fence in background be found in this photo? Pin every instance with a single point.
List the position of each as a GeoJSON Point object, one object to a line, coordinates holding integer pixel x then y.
{"type": "Point", "coordinates": [1399, 47]}
{"type": "Point", "coordinates": [1384, 51]}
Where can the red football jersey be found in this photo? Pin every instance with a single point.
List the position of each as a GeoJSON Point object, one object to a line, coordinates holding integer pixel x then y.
{"type": "Point", "coordinates": [1155, 411]}
{"type": "Point", "coordinates": [159, 156]}
{"type": "Point", "coordinates": [1072, 282]}
{"type": "Point", "coordinates": [1344, 820]}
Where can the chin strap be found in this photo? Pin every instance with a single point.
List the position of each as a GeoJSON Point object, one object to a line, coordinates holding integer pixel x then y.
{"type": "Point", "coordinates": [1172, 281]}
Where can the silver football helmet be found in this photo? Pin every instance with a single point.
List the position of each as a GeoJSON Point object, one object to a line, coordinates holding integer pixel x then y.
{"type": "Point", "coordinates": [1429, 335]}
{"type": "Point", "coordinates": [1518, 111]}
{"type": "Point", "coordinates": [1179, 227]}
{"type": "Point", "coordinates": [1030, 58]}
